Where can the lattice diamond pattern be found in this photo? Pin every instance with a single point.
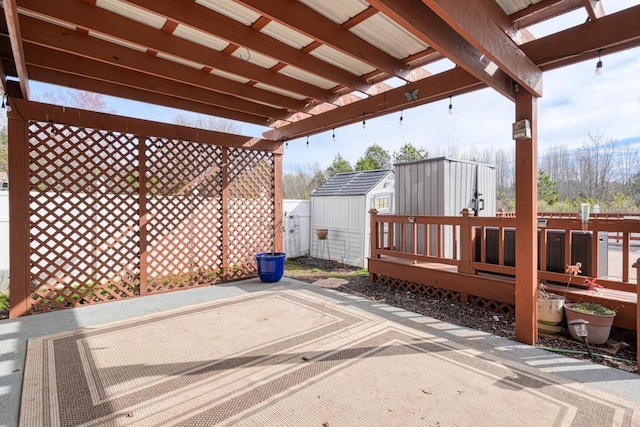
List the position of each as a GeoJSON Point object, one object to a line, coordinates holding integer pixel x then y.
{"type": "Point", "coordinates": [83, 216]}
{"type": "Point", "coordinates": [251, 209]}
{"type": "Point", "coordinates": [184, 187]}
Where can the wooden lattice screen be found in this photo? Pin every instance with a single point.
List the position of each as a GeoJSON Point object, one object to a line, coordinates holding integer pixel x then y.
{"type": "Point", "coordinates": [113, 215]}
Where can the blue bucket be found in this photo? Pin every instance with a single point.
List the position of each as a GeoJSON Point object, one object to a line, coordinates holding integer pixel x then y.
{"type": "Point", "coordinates": [270, 266]}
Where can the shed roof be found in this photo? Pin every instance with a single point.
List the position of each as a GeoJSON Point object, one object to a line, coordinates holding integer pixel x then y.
{"type": "Point", "coordinates": [443, 158]}
{"type": "Point", "coordinates": [352, 183]}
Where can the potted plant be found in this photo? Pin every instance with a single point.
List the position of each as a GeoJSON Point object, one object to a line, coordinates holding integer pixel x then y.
{"type": "Point", "coordinates": [550, 310]}
{"type": "Point", "coordinates": [600, 318]}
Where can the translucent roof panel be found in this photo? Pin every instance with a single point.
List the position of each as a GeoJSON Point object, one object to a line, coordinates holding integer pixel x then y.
{"type": "Point", "coordinates": [232, 10]}
{"type": "Point", "coordinates": [200, 37]}
{"type": "Point", "coordinates": [117, 41]}
{"type": "Point", "coordinates": [338, 11]}
{"type": "Point", "coordinates": [286, 35]}
{"type": "Point", "coordinates": [304, 76]}
{"type": "Point", "coordinates": [339, 59]}
{"type": "Point", "coordinates": [132, 12]}
{"type": "Point", "coordinates": [229, 76]}
{"type": "Point", "coordinates": [513, 6]}
{"type": "Point", "coordinates": [382, 32]}
{"type": "Point", "coordinates": [179, 60]}
{"type": "Point", "coordinates": [254, 57]}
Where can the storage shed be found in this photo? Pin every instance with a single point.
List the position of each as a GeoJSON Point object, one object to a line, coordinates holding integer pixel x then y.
{"type": "Point", "coordinates": [341, 206]}
{"type": "Point", "coordinates": [444, 186]}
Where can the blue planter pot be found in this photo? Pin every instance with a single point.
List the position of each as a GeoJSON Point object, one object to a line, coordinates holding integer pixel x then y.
{"type": "Point", "coordinates": [270, 266]}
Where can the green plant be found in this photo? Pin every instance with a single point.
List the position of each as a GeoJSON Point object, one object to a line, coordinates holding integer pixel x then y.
{"type": "Point", "coordinates": [592, 308]}
{"type": "Point", "coordinates": [4, 302]}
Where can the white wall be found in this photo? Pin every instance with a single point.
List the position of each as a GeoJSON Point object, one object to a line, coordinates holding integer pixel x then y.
{"type": "Point", "coordinates": [4, 241]}
{"type": "Point", "coordinates": [297, 226]}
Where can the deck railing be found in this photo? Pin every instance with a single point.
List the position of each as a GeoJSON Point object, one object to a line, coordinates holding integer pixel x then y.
{"type": "Point", "coordinates": [487, 244]}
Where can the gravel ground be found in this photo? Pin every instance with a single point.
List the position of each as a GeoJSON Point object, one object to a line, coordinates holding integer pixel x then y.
{"type": "Point", "coordinates": [309, 270]}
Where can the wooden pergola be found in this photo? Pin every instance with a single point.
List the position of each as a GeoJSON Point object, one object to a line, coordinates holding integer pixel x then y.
{"type": "Point", "coordinates": [305, 67]}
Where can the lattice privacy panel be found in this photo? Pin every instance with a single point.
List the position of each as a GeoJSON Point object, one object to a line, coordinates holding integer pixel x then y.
{"type": "Point", "coordinates": [184, 214]}
{"type": "Point", "coordinates": [115, 215]}
{"type": "Point", "coordinates": [84, 245]}
{"type": "Point", "coordinates": [251, 209]}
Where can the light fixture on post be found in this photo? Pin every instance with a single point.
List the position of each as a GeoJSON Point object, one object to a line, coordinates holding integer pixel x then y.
{"type": "Point", "coordinates": [450, 106]}
{"type": "Point", "coordinates": [579, 327]}
{"type": "Point", "coordinates": [599, 64]}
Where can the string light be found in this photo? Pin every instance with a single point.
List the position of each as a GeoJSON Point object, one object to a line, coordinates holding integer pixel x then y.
{"type": "Point", "coordinates": [307, 141]}
{"type": "Point", "coordinates": [401, 118]}
{"type": "Point", "coordinates": [286, 144]}
{"type": "Point", "coordinates": [599, 64]}
{"type": "Point", "coordinates": [364, 122]}
{"type": "Point", "coordinates": [450, 106]}
{"type": "Point", "coordinates": [333, 135]}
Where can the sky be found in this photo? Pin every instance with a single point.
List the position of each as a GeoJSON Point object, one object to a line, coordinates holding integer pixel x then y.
{"type": "Point", "coordinates": [575, 103]}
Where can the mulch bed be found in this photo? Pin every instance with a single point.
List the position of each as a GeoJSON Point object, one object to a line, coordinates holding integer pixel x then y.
{"type": "Point", "coordinates": [310, 269]}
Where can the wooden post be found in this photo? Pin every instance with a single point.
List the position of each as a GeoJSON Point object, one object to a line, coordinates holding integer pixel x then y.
{"type": "Point", "coordinates": [373, 238]}
{"type": "Point", "coordinates": [224, 206]}
{"type": "Point", "coordinates": [143, 214]}
{"type": "Point", "coordinates": [20, 294]}
{"type": "Point", "coordinates": [636, 265]}
{"type": "Point", "coordinates": [277, 203]}
{"type": "Point", "coordinates": [526, 222]}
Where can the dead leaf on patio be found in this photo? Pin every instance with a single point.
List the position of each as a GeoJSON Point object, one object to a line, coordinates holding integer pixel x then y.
{"type": "Point", "coordinates": [305, 358]}
{"type": "Point", "coordinates": [325, 424]}
{"type": "Point", "coordinates": [129, 414]}
{"type": "Point", "coordinates": [426, 391]}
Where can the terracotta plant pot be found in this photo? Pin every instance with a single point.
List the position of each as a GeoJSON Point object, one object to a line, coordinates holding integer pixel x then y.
{"type": "Point", "coordinates": [322, 233]}
{"type": "Point", "coordinates": [599, 326]}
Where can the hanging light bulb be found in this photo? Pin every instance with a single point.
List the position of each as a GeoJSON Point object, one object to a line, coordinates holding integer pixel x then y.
{"type": "Point", "coordinates": [286, 144]}
{"type": "Point", "coordinates": [333, 135]}
{"type": "Point", "coordinates": [364, 122]}
{"type": "Point", "coordinates": [307, 141]}
{"type": "Point", "coordinates": [450, 106]}
{"type": "Point", "coordinates": [599, 64]}
{"type": "Point", "coordinates": [401, 118]}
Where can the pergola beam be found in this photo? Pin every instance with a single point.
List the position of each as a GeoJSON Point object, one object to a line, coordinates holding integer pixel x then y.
{"type": "Point", "coordinates": [103, 52]}
{"type": "Point", "coordinates": [126, 92]}
{"type": "Point", "coordinates": [594, 9]}
{"type": "Point", "coordinates": [430, 89]}
{"type": "Point", "coordinates": [613, 32]}
{"type": "Point", "coordinates": [543, 10]}
{"type": "Point", "coordinates": [298, 16]}
{"type": "Point", "coordinates": [477, 25]}
{"type": "Point", "coordinates": [95, 19]}
{"type": "Point", "coordinates": [194, 15]}
{"type": "Point", "coordinates": [426, 25]}
{"type": "Point", "coordinates": [15, 37]}
{"type": "Point", "coordinates": [110, 122]}
{"type": "Point", "coordinates": [71, 64]}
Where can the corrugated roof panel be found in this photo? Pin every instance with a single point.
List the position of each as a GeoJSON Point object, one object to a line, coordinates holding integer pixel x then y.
{"type": "Point", "coordinates": [286, 35]}
{"type": "Point", "coordinates": [118, 41]}
{"type": "Point", "coordinates": [351, 183]}
{"type": "Point", "coordinates": [179, 60]}
{"type": "Point", "coordinates": [338, 11]}
{"type": "Point", "coordinates": [231, 9]}
{"type": "Point", "coordinates": [254, 57]}
{"type": "Point", "coordinates": [339, 59]}
{"type": "Point", "coordinates": [280, 91]}
{"type": "Point", "coordinates": [200, 37]}
{"type": "Point", "coordinates": [229, 76]}
{"type": "Point", "coordinates": [132, 12]}
{"type": "Point", "coordinates": [513, 6]}
{"type": "Point", "coordinates": [382, 32]}
{"type": "Point", "coordinates": [304, 76]}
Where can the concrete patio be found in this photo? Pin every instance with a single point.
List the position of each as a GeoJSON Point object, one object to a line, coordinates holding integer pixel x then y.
{"type": "Point", "coordinates": [289, 353]}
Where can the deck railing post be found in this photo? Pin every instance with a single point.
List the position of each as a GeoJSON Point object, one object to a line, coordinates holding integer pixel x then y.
{"type": "Point", "coordinates": [373, 238]}
{"type": "Point", "coordinates": [466, 238]}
